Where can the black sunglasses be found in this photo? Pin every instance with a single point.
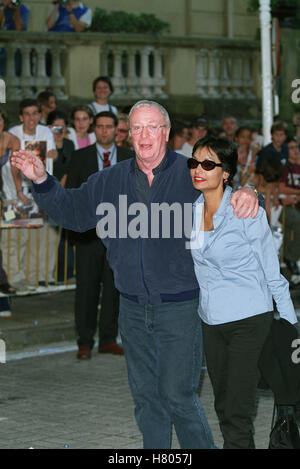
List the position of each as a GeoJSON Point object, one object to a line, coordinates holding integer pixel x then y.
{"type": "Point", "coordinates": [207, 165]}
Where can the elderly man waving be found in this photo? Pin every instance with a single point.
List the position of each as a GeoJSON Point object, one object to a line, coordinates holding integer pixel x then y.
{"type": "Point", "coordinates": [159, 293]}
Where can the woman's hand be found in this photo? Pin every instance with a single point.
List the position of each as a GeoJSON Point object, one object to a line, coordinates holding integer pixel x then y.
{"type": "Point", "coordinates": [30, 165]}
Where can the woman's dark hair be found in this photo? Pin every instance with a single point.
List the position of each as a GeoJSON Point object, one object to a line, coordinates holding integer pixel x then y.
{"type": "Point", "coordinates": [55, 115]}
{"type": "Point", "coordinates": [106, 80]}
{"type": "Point", "coordinates": [270, 168]}
{"type": "Point", "coordinates": [240, 130]}
{"type": "Point", "coordinates": [225, 150]}
{"type": "Point", "coordinates": [84, 108]}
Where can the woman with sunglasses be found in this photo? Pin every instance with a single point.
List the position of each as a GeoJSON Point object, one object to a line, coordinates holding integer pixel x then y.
{"type": "Point", "coordinates": [238, 272]}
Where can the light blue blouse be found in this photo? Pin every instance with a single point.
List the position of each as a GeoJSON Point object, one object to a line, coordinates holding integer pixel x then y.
{"type": "Point", "coordinates": [238, 269]}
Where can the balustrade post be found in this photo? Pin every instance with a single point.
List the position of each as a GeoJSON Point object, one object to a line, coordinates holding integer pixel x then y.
{"type": "Point", "coordinates": [237, 82]}
{"type": "Point", "coordinates": [145, 78]}
{"type": "Point", "coordinates": [57, 80]}
{"type": "Point", "coordinates": [132, 79]}
{"type": "Point", "coordinates": [213, 78]}
{"type": "Point", "coordinates": [246, 75]}
{"type": "Point", "coordinates": [42, 81]}
{"type": "Point", "coordinates": [201, 76]}
{"type": "Point", "coordinates": [224, 75]}
{"type": "Point", "coordinates": [159, 79]}
{"type": "Point", "coordinates": [27, 81]}
{"type": "Point", "coordinates": [117, 78]}
{"type": "Point", "coordinates": [12, 81]}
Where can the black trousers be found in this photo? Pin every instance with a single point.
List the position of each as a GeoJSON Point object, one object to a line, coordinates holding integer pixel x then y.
{"type": "Point", "coordinates": [232, 351]}
{"type": "Point", "coordinates": [91, 269]}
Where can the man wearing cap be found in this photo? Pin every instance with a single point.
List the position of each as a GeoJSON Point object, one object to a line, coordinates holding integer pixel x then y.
{"type": "Point", "coordinates": [199, 129]}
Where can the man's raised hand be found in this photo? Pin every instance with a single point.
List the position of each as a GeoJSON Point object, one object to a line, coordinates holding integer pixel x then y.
{"type": "Point", "coordinates": [30, 165]}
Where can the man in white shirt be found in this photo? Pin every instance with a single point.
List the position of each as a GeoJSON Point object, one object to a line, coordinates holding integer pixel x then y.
{"type": "Point", "coordinates": [198, 129]}
{"type": "Point", "coordinates": [32, 136]}
{"type": "Point", "coordinates": [40, 140]}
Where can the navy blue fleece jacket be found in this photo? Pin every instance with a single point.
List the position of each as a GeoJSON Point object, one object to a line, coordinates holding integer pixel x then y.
{"type": "Point", "coordinates": [146, 269]}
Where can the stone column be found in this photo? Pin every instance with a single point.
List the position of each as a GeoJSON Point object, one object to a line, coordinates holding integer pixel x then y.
{"type": "Point", "coordinates": [11, 80]}
{"type": "Point", "coordinates": [159, 79]}
{"type": "Point", "coordinates": [201, 72]}
{"type": "Point", "coordinates": [132, 79]}
{"type": "Point", "coordinates": [58, 82]}
{"type": "Point", "coordinates": [42, 81]}
{"type": "Point", "coordinates": [27, 80]}
{"type": "Point", "coordinates": [145, 78]}
{"type": "Point", "coordinates": [117, 78]}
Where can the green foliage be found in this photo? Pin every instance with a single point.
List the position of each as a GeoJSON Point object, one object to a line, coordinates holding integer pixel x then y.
{"type": "Point", "coordinates": [123, 22]}
{"type": "Point", "coordinates": [281, 9]}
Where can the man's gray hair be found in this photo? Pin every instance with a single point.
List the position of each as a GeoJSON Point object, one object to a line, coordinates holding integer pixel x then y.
{"type": "Point", "coordinates": [146, 103]}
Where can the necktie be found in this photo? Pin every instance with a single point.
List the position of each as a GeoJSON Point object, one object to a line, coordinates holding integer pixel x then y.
{"type": "Point", "coordinates": [106, 161]}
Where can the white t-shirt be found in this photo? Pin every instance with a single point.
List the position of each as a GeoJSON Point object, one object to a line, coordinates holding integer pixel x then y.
{"type": "Point", "coordinates": [96, 108]}
{"type": "Point", "coordinates": [43, 140]}
{"type": "Point", "coordinates": [186, 150]}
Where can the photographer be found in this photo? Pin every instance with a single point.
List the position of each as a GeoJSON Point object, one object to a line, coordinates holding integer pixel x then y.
{"type": "Point", "coordinates": [57, 123]}
{"type": "Point", "coordinates": [14, 16]}
{"type": "Point", "coordinates": [69, 16]}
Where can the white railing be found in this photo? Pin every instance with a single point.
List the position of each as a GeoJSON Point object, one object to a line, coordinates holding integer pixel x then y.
{"type": "Point", "coordinates": [140, 66]}
{"type": "Point", "coordinates": [223, 73]}
{"type": "Point", "coordinates": [135, 70]}
{"type": "Point", "coordinates": [26, 69]}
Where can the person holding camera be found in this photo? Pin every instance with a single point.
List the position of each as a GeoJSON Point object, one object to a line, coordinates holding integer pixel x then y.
{"type": "Point", "coordinates": [57, 123]}
{"type": "Point", "coordinates": [14, 16]}
{"type": "Point", "coordinates": [69, 16]}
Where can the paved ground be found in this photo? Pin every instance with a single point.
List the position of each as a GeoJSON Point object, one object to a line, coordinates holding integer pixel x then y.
{"type": "Point", "coordinates": [49, 399]}
{"type": "Point", "coordinates": [56, 401]}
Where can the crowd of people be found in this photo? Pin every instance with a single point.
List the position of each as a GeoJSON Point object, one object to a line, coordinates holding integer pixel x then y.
{"type": "Point", "coordinates": [68, 16]}
{"type": "Point", "coordinates": [79, 146]}
{"type": "Point", "coordinates": [55, 134]}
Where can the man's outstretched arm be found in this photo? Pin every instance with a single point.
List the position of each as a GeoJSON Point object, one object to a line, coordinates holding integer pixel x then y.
{"type": "Point", "coordinates": [73, 209]}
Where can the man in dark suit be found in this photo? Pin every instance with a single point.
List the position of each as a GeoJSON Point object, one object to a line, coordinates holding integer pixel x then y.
{"type": "Point", "coordinates": [91, 264]}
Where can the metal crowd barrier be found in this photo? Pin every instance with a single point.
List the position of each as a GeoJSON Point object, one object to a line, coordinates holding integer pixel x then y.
{"type": "Point", "coordinates": [22, 253]}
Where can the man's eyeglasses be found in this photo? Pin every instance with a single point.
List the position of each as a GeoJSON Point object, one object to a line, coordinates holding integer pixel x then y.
{"type": "Point", "coordinates": [207, 165]}
{"type": "Point", "coordinates": [151, 128]}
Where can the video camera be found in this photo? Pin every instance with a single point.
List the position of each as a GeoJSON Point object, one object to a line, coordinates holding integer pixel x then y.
{"type": "Point", "coordinates": [57, 130]}
{"type": "Point", "coordinates": [15, 3]}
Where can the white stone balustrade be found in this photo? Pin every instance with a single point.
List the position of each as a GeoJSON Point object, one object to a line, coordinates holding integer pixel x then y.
{"type": "Point", "coordinates": [224, 73]}
{"type": "Point", "coordinates": [139, 66]}
{"type": "Point", "coordinates": [26, 69]}
{"type": "Point", "coordinates": [143, 66]}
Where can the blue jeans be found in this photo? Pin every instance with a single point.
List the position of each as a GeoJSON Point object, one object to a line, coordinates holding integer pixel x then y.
{"type": "Point", "coordinates": [163, 350]}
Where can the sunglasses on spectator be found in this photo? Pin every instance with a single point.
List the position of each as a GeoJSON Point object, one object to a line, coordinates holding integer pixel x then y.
{"type": "Point", "coordinates": [207, 165]}
{"type": "Point", "coordinates": [122, 131]}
